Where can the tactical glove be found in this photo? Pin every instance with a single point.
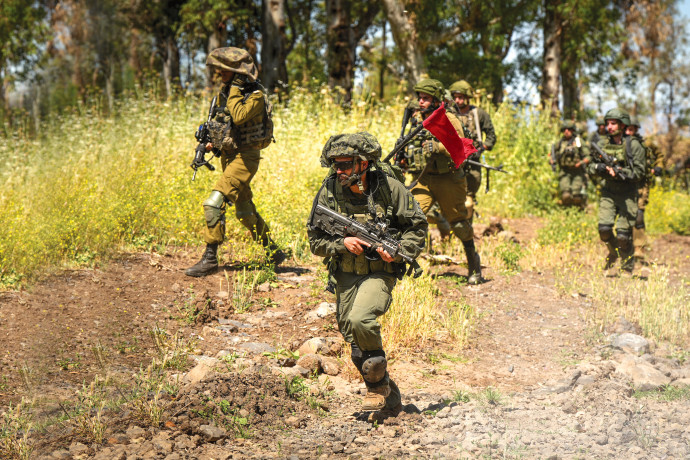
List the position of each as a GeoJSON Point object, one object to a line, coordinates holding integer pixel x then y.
{"type": "Point", "coordinates": [430, 147]}
{"type": "Point", "coordinates": [600, 168]}
{"type": "Point", "coordinates": [239, 81]}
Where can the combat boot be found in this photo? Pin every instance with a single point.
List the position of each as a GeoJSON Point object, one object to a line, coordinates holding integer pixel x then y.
{"type": "Point", "coordinates": [626, 254]}
{"type": "Point", "coordinates": [275, 255]}
{"type": "Point", "coordinates": [381, 415]}
{"type": "Point", "coordinates": [376, 397]}
{"type": "Point", "coordinates": [208, 263]}
{"type": "Point", "coordinates": [612, 256]}
{"type": "Point", "coordinates": [474, 264]}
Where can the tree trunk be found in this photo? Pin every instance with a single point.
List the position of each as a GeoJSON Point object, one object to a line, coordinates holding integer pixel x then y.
{"type": "Point", "coordinates": [273, 44]}
{"type": "Point", "coordinates": [404, 31]}
{"type": "Point", "coordinates": [571, 96]}
{"type": "Point", "coordinates": [340, 57]}
{"type": "Point", "coordinates": [217, 39]}
{"type": "Point", "coordinates": [552, 57]}
{"type": "Point", "coordinates": [382, 70]}
{"type": "Point", "coordinates": [171, 65]}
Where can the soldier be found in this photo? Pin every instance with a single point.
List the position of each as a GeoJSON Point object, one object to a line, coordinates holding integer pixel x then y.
{"type": "Point", "coordinates": [438, 180]}
{"type": "Point", "coordinates": [600, 133]}
{"type": "Point", "coordinates": [477, 122]}
{"type": "Point", "coordinates": [240, 133]}
{"type": "Point", "coordinates": [619, 183]}
{"type": "Point", "coordinates": [364, 285]}
{"type": "Point", "coordinates": [572, 157]}
{"type": "Point", "coordinates": [653, 167]}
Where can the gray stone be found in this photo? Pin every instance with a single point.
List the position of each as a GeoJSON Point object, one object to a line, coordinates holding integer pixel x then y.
{"type": "Point", "coordinates": [212, 433]}
{"type": "Point", "coordinates": [232, 322]}
{"type": "Point", "coordinates": [633, 342]}
{"type": "Point", "coordinates": [585, 380]}
{"type": "Point", "coordinates": [135, 432]}
{"type": "Point", "coordinates": [257, 347]}
{"type": "Point", "coordinates": [314, 345]}
{"type": "Point", "coordinates": [324, 310]}
{"type": "Point", "coordinates": [61, 453]}
{"type": "Point", "coordinates": [643, 375]}
{"type": "Point", "coordinates": [330, 366]}
{"type": "Point", "coordinates": [311, 362]}
{"type": "Point", "coordinates": [198, 372]}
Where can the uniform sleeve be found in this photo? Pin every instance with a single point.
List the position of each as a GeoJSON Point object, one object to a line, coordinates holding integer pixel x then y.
{"type": "Point", "coordinates": [321, 243]}
{"type": "Point", "coordinates": [242, 110]}
{"type": "Point", "coordinates": [411, 220]}
{"type": "Point", "coordinates": [637, 172]}
{"type": "Point", "coordinates": [487, 128]}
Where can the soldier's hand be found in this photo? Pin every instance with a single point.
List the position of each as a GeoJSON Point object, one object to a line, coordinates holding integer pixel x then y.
{"type": "Point", "coordinates": [430, 146]}
{"type": "Point", "coordinates": [355, 245]}
{"type": "Point", "coordinates": [209, 147]}
{"type": "Point", "coordinates": [239, 81]}
{"type": "Point", "coordinates": [384, 255]}
{"type": "Point", "coordinates": [611, 171]}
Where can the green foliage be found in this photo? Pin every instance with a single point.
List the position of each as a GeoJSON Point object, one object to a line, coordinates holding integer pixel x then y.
{"type": "Point", "coordinates": [569, 227]}
{"type": "Point", "coordinates": [665, 393]}
{"type": "Point", "coordinates": [668, 211]}
{"type": "Point", "coordinates": [510, 254]}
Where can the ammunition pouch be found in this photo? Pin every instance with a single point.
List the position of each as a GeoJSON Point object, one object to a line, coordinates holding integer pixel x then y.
{"type": "Point", "coordinates": [223, 136]}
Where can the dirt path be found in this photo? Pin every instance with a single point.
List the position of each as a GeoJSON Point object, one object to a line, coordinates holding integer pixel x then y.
{"type": "Point", "coordinates": [552, 392]}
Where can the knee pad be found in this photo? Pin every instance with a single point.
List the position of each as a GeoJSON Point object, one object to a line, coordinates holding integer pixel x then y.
{"type": "Point", "coordinates": [374, 366]}
{"type": "Point", "coordinates": [639, 219]}
{"type": "Point", "coordinates": [356, 356]}
{"type": "Point", "coordinates": [214, 208]}
{"type": "Point", "coordinates": [463, 230]}
{"type": "Point", "coordinates": [246, 213]}
{"type": "Point", "coordinates": [624, 240]}
{"type": "Point", "coordinates": [605, 232]}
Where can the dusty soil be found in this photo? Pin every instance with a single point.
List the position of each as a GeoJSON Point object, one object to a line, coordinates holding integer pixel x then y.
{"type": "Point", "coordinates": [87, 336]}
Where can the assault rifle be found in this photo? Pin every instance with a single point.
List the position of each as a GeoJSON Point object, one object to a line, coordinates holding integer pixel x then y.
{"type": "Point", "coordinates": [602, 157]}
{"type": "Point", "coordinates": [376, 235]}
{"type": "Point", "coordinates": [203, 137]}
{"type": "Point", "coordinates": [554, 160]}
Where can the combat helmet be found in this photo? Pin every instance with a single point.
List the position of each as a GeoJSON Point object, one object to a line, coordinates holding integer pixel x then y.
{"type": "Point", "coordinates": [618, 114]}
{"type": "Point", "coordinates": [461, 87]}
{"type": "Point", "coordinates": [235, 60]}
{"type": "Point", "coordinates": [634, 122]}
{"type": "Point", "coordinates": [568, 124]}
{"type": "Point", "coordinates": [432, 87]}
{"type": "Point", "coordinates": [600, 121]}
{"type": "Point", "coordinates": [360, 145]}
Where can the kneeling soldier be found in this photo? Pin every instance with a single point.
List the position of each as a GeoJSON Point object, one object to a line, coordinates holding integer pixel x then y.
{"type": "Point", "coordinates": [364, 278]}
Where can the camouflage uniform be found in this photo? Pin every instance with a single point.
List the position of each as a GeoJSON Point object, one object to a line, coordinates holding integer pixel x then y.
{"type": "Point", "coordinates": [363, 286]}
{"type": "Point", "coordinates": [478, 126]}
{"type": "Point", "coordinates": [441, 181]}
{"type": "Point", "coordinates": [618, 200]}
{"type": "Point", "coordinates": [653, 167]}
{"type": "Point", "coordinates": [238, 133]}
{"type": "Point", "coordinates": [595, 137]}
{"type": "Point", "coordinates": [571, 156]}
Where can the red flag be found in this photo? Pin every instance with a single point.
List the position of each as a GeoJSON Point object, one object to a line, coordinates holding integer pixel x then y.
{"type": "Point", "coordinates": [438, 124]}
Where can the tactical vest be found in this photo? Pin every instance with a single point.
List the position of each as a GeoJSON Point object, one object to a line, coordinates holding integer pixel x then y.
{"type": "Point", "coordinates": [438, 163]}
{"type": "Point", "coordinates": [358, 209]}
{"type": "Point", "coordinates": [255, 134]}
{"type": "Point", "coordinates": [622, 154]}
{"type": "Point", "coordinates": [569, 152]}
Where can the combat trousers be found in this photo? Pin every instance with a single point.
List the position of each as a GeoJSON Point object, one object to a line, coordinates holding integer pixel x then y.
{"type": "Point", "coordinates": [571, 182]}
{"type": "Point", "coordinates": [449, 190]}
{"type": "Point", "coordinates": [360, 300]}
{"type": "Point", "coordinates": [621, 204]}
{"type": "Point", "coordinates": [474, 180]}
{"type": "Point", "coordinates": [239, 169]}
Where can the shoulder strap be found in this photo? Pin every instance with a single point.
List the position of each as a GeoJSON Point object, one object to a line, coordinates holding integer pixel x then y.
{"type": "Point", "coordinates": [475, 113]}
{"type": "Point", "coordinates": [628, 151]}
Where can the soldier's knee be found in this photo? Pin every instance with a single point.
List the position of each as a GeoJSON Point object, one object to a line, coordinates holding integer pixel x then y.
{"type": "Point", "coordinates": [374, 366]}
{"type": "Point", "coordinates": [624, 239]}
{"type": "Point", "coordinates": [605, 232]}
{"type": "Point", "coordinates": [463, 230]}
{"type": "Point", "coordinates": [246, 213]}
{"type": "Point", "coordinates": [214, 208]}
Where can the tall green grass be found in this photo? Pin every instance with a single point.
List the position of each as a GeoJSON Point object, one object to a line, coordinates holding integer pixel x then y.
{"type": "Point", "coordinates": [91, 186]}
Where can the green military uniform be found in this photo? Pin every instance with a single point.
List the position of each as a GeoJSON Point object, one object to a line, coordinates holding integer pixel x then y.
{"type": "Point", "coordinates": [618, 199]}
{"type": "Point", "coordinates": [478, 126]}
{"type": "Point", "coordinates": [653, 166]}
{"type": "Point", "coordinates": [571, 156]}
{"type": "Point", "coordinates": [363, 286]}
{"type": "Point", "coordinates": [438, 180]}
{"type": "Point", "coordinates": [595, 137]}
{"type": "Point", "coordinates": [239, 132]}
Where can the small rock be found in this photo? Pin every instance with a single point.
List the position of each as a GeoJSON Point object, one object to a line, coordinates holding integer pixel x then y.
{"type": "Point", "coordinates": [135, 432]}
{"type": "Point", "coordinates": [585, 380]}
{"type": "Point", "coordinates": [602, 439]}
{"type": "Point", "coordinates": [212, 433]}
{"type": "Point", "coordinates": [311, 362]}
{"type": "Point", "coordinates": [511, 368]}
{"type": "Point", "coordinates": [314, 345]}
{"type": "Point", "coordinates": [222, 295]}
{"type": "Point", "coordinates": [78, 449]}
{"type": "Point", "coordinates": [330, 366]}
{"type": "Point", "coordinates": [197, 374]}
{"type": "Point", "coordinates": [257, 347]}
{"type": "Point", "coordinates": [209, 331]}
{"type": "Point", "coordinates": [644, 376]}
{"type": "Point", "coordinates": [633, 342]}
{"type": "Point", "coordinates": [176, 287]}
{"type": "Point", "coordinates": [264, 287]}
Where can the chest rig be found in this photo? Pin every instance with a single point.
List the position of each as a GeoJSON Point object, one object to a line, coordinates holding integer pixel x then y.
{"type": "Point", "coordinates": [417, 159]}
{"type": "Point", "coordinates": [374, 207]}
{"type": "Point", "coordinates": [569, 152]}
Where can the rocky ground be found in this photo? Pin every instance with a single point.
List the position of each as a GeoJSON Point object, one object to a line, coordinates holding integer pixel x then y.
{"type": "Point", "coordinates": [535, 381]}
